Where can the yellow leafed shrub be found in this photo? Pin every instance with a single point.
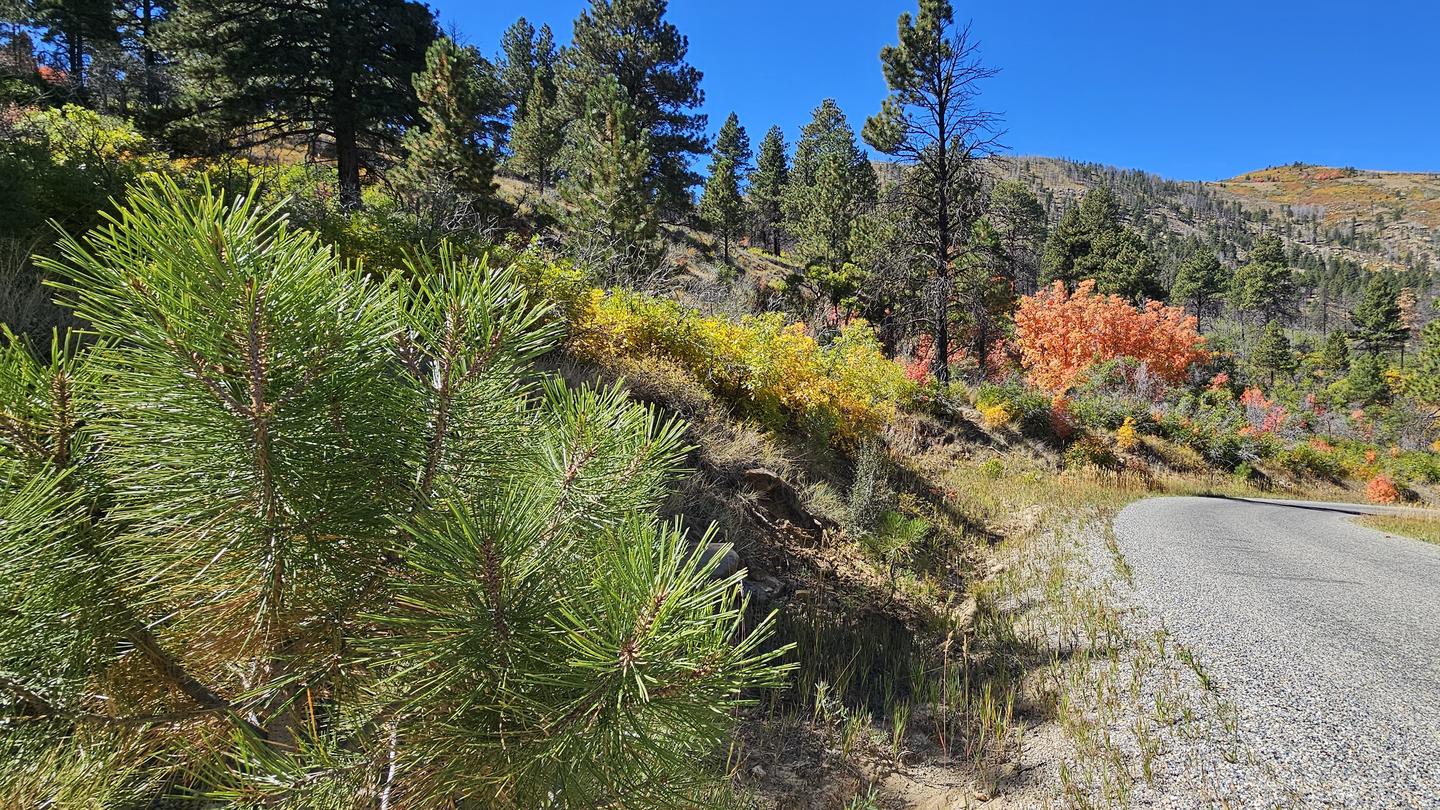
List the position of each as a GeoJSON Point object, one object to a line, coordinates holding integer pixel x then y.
{"type": "Point", "coordinates": [1126, 436]}
{"type": "Point", "coordinates": [996, 416]}
{"type": "Point", "coordinates": [769, 370]}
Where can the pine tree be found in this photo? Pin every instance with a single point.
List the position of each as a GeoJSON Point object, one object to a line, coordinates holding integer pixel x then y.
{"type": "Point", "coordinates": [767, 189]}
{"type": "Point", "coordinates": [1273, 353]}
{"type": "Point", "coordinates": [932, 120]}
{"type": "Point", "coordinates": [1066, 244]}
{"type": "Point", "coordinates": [525, 53]}
{"type": "Point", "coordinates": [631, 42]}
{"type": "Point", "coordinates": [612, 221]}
{"type": "Point", "coordinates": [1426, 387]}
{"type": "Point", "coordinates": [453, 153]}
{"type": "Point", "coordinates": [293, 536]}
{"type": "Point", "coordinates": [80, 27]}
{"type": "Point", "coordinates": [1409, 318]}
{"type": "Point", "coordinates": [722, 202]}
{"type": "Point", "coordinates": [1199, 283]}
{"type": "Point", "coordinates": [732, 143]}
{"type": "Point", "coordinates": [831, 184]}
{"type": "Point", "coordinates": [539, 134]}
{"type": "Point", "coordinates": [292, 69]}
{"type": "Point", "coordinates": [986, 296]}
{"type": "Point", "coordinates": [1335, 354]}
{"type": "Point", "coordinates": [1366, 379]}
{"type": "Point", "coordinates": [1019, 222]}
{"type": "Point", "coordinates": [1091, 242]}
{"type": "Point", "coordinates": [1377, 319]}
{"type": "Point", "coordinates": [140, 32]}
{"type": "Point", "coordinates": [1264, 285]}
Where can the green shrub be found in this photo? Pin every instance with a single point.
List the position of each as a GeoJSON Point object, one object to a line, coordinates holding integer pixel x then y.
{"type": "Point", "coordinates": [1027, 406]}
{"type": "Point", "coordinates": [65, 165]}
{"type": "Point", "coordinates": [1090, 451]}
{"type": "Point", "coordinates": [1305, 461]}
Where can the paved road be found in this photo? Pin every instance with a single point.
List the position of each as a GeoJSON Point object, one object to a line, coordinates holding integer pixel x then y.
{"type": "Point", "coordinates": [1324, 634]}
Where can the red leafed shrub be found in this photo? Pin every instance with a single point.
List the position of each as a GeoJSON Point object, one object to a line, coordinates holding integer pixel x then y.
{"type": "Point", "coordinates": [1381, 489]}
{"type": "Point", "coordinates": [918, 369]}
{"type": "Point", "coordinates": [1061, 335]}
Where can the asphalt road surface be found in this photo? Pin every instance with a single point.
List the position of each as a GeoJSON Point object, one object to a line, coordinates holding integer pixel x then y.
{"type": "Point", "coordinates": [1324, 634]}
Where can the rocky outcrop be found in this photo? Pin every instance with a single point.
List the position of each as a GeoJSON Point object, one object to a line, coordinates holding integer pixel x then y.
{"type": "Point", "coordinates": [775, 503]}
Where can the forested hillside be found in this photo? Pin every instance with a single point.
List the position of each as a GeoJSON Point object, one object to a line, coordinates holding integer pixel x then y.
{"type": "Point", "coordinates": [396, 422]}
{"type": "Point", "coordinates": [1336, 224]}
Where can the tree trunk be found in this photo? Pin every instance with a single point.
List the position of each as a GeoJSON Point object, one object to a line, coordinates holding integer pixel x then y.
{"type": "Point", "coordinates": [75, 55]}
{"type": "Point", "coordinates": [940, 363]}
{"type": "Point", "coordinates": [344, 117]}
{"type": "Point", "coordinates": [152, 94]}
{"type": "Point", "coordinates": [347, 159]}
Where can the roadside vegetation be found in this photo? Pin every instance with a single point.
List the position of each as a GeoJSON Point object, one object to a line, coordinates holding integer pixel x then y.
{"type": "Point", "coordinates": [361, 446]}
{"type": "Point", "coordinates": [1420, 528]}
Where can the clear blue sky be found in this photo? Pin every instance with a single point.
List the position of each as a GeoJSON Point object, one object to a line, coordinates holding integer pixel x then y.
{"type": "Point", "coordinates": [1197, 90]}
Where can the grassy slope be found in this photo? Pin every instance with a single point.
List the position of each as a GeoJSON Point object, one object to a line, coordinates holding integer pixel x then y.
{"type": "Point", "coordinates": [1345, 193]}
{"type": "Point", "coordinates": [1420, 528]}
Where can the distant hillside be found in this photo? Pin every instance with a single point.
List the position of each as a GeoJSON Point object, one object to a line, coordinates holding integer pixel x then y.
{"type": "Point", "coordinates": [1340, 222]}
{"type": "Point", "coordinates": [1393, 215]}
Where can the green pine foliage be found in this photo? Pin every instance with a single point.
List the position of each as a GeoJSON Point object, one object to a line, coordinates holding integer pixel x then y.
{"type": "Point", "coordinates": [722, 203]}
{"type": "Point", "coordinates": [932, 121]}
{"type": "Point", "coordinates": [1018, 219]}
{"type": "Point", "coordinates": [767, 189]}
{"type": "Point", "coordinates": [1091, 242]}
{"type": "Point", "coordinates": [611, 218]}
{"type": "Point", "coordinates": [1427, 366]}
{"type": "Point", "coordinates": [526, 53]}
{"type": "Point", "coordinates": [1335, 353]}
{"type": "Point", "coordinates": [1200, 282]}
{"type": "Point", "coordinates": [831, 184]}
{"type": "Point", "coordinates": [1264, 285]}
{"type": "Point", "coordinates": [538, 134]}
{"type": "Point", "coordinates": [301, 69]}
{"type": "Point", "coordinates": [1273, 353]}
{"type": "Point", "coordinates": [1366, 380]}
{"type": "Point", "coordinates": [286, 534]}
{"type": "Point", "coordinates": [1377, 321]}
{"type": "Point", "coordinates": [631, 42]}
{"type": "Point", "coordinates": [452, 154]}
{"type": "Point", "coordinates": [80, 28]}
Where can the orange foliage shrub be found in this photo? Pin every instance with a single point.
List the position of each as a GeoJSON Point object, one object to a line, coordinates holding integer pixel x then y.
{"type": "Point", "coordinates": [1381, 489]}
{"type": "Point", "coordinates": [1061, 335]}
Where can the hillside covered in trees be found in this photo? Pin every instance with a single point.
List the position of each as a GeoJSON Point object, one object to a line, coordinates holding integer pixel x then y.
{"type": "Point", "coordinates": [396, 422]}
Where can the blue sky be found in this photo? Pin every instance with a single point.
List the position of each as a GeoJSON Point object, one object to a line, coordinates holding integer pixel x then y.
{"type": "Point", "coordinates": [1197, 90]}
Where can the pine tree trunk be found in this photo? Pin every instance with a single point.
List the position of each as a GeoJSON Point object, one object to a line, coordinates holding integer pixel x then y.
{"type": "Point", "coordinates": [75, 56]}
{"type": "Point", "coordinates": [152, 94]}
{"type": "Point", "coordinates": [347, 158]}
{"type": "Point", "coordinates": [343, 115]}
{"type": "Point", "coordinates": [940, 363]}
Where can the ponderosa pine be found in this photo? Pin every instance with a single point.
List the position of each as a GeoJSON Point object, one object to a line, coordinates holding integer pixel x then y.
{"type": "Point", "coordinates": [287, 534]}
